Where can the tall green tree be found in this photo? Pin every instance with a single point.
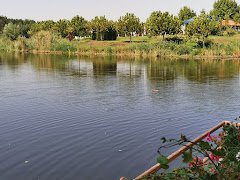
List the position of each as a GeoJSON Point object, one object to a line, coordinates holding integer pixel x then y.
{"type": "Point", "coordinates": [3, 21]}
{"type": "Point", "coordinates": [99, 25]}
{"type": "Point", "coordinates": [47, 25]}
{"type": "Point", "coordinates": [141, 29]}
{"type": "Point", "coordinates": [225, 9]}
{"type": "Point", "coordinates": [62, 27]}
{"type": "Point", "coordinates": [111, 33]}
{"type": "Point", "coordinates": [35, 28]}
{"type": "Point", "coordinates": [201, 28]}
{"type": "Point", "coordinates": [42, 26]}
{"type": "Point", "coordinates": [25, 28]}
{"type": "Point", "coordinates": [12, 31]}
{"type": "Point", "coordinates": [79, 25]}
{"type": "Point", "coordinates": [128, 24]}
{"type": "Point", "coordinates": [186, 13]}
{"type": "Point", "coordinates": [162, 23]}
{"type": "Point", "coordinates": [237, 17]}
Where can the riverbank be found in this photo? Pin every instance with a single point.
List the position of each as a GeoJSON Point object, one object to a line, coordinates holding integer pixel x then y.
{"type": "Point", "coordinates": [217, 47]}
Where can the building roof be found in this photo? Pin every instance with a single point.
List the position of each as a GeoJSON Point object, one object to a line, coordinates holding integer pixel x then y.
{"type": "Point", "coordinates": [185, 22]}
{"type": "Point", "coordinates": [230, 23]}
{"type": "Point", "coordinates": [188, 21]}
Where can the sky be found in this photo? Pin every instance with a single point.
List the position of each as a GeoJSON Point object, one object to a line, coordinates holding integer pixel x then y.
{"type": "Point", "coordinates": [112, 9]}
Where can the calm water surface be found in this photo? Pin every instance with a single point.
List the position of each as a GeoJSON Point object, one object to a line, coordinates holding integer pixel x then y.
{"type": "Point", "coordinates": [86, 119]}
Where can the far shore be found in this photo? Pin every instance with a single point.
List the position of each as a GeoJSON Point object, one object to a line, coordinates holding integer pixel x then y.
{"type": "Point", "coordinates": [218, 47]}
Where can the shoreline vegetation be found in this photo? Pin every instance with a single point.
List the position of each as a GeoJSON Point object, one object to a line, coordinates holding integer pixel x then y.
{"type": "Point", "coordinates": [219, 47]}
{"type": "Point", "coordinates": [214, 34]}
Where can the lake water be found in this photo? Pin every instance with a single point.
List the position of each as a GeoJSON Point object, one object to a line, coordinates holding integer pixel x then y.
{"type": "Point", "coordinates": [99, 118]}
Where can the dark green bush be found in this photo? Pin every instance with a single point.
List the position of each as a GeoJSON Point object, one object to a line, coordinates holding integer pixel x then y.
{"type": "Point", "coordinates": [229, 32]}
{"type": "Point", "coordinates": [175, 39]}
{"type": "Point", "coordinates": [207, 43]}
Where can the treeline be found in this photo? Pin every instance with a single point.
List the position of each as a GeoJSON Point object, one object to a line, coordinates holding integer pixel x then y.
{"type": "Point", "coordinates": [56, 36]}
{"type": "Point", "coordinates": [100, 28]}
{"type": "Point", "coordinates": [18, 27]}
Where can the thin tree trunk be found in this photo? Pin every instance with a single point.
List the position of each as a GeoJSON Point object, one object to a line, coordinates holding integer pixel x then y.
{"type": "Point", "coordinates": [102, 36]}
{"type": "Point", "coordinates": [203, 40]}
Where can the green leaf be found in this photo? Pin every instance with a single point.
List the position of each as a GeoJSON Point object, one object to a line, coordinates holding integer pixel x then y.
{"type": "Point", "coordinates": [206, 168]}
{"type": "Point", "coordinates": [219, 152]}
{"type": "Point", "coordinates": [205, 145]}
{"type": "Point", "coordinates": [162, 160]}
{"type": "Point", "coordinates": [164, 166]}
{"type": "Point", "coordinates": [187, 157]}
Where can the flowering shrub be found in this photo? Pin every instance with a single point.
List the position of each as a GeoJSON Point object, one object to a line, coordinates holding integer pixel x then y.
{"type": "Point", "coordinates": [217, 157]}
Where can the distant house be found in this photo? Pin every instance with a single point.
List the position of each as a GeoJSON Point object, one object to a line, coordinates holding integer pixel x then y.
{"type": "Point", "coordinates": [231, 23]}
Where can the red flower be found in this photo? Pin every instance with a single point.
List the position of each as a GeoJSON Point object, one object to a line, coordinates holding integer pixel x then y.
{"type": "Point", "coordinates": [214, 157]}
{"type": "Point", "coordinates": [209, 138]}
{"type": "Point", "coordinates": [190, 165]}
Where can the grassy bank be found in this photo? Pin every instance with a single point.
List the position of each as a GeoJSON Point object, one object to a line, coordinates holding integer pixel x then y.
{"type": "Point", "coordinates": [181, 46]}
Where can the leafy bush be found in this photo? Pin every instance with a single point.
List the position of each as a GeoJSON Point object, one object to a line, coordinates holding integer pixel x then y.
{"type": "Point", "coordinates": [42, 41]}
{"type": "Point", "coordinates": [63, 45]}
{"type": "Point", "coordinates": [6, 44]}
{"type": "Point", "coordinates": [229, 32]}
{"type": "Point", "coordinates": [12, 31]}
{"type": "Point", "coordinates": [207, 43]}
{"type": "Point", "coordinates": [21, 44]}
{"type": "Point", "coordinates": [183, 49]}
